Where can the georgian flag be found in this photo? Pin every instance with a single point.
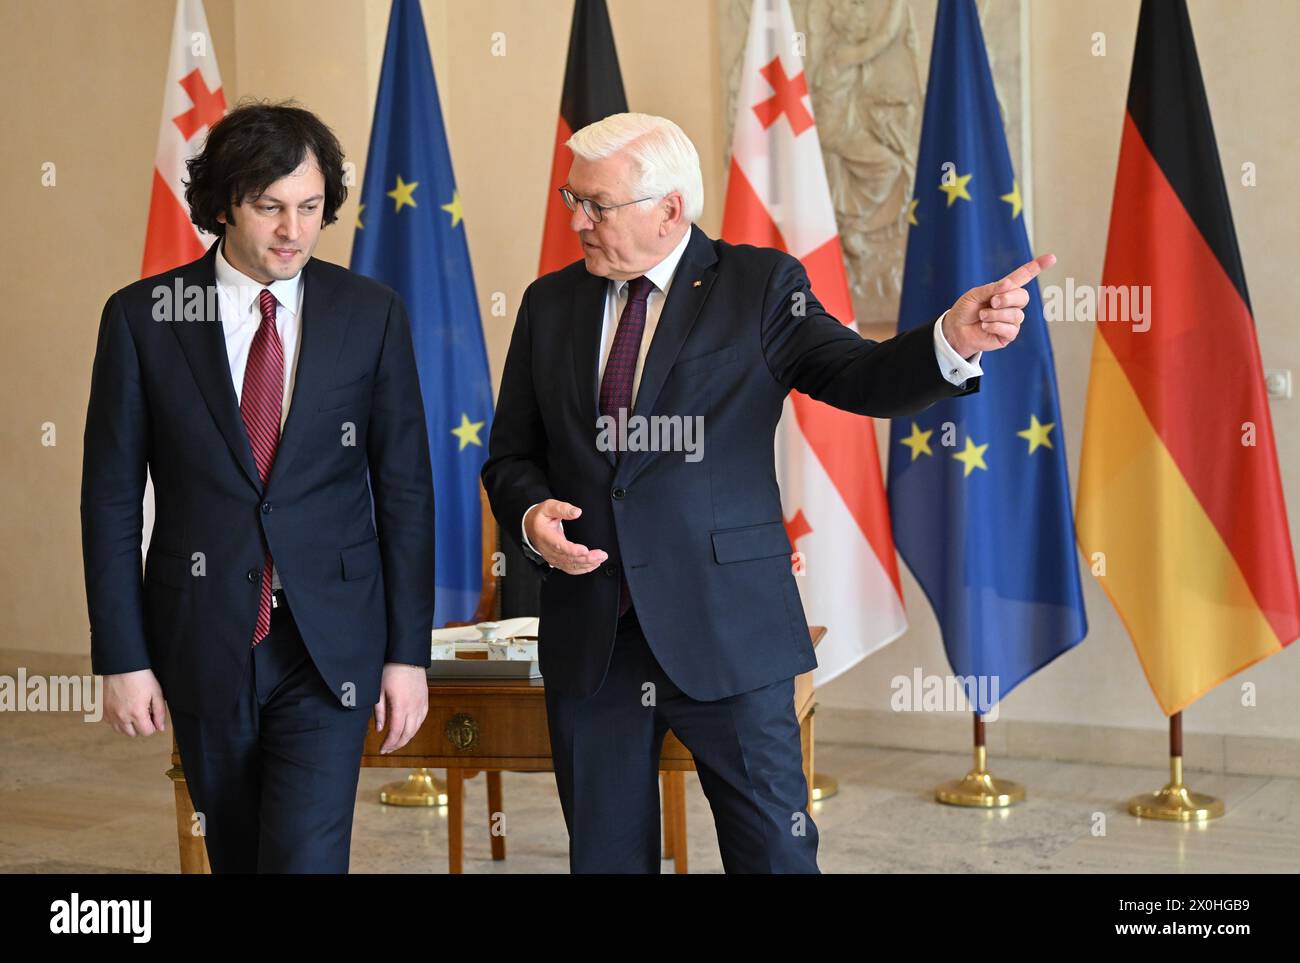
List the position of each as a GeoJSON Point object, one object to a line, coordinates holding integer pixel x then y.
{"type": "Point", "coordinates": [827, 463]}
{"type": "Point", "coordinates": [192, 102]}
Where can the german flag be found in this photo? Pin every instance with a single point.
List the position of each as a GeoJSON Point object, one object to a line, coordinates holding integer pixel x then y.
{"type": "Point", "coordinates": [593, 89]}
{"type": "Point", "coordinates": [1180, 511]}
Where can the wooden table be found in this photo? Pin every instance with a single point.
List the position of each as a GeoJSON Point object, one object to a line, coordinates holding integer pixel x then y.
{"type": "Point", "coordinates": [495, 726]}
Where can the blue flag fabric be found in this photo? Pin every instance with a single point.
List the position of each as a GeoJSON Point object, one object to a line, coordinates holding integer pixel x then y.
{"type": "Point", "coordinates": [978, 486]}
{"type": "Point", "coordinates": [411, 236]}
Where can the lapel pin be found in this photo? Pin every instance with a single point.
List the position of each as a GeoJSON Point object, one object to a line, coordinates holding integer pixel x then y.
{"type": "Point", "coordinates": [697, 284]}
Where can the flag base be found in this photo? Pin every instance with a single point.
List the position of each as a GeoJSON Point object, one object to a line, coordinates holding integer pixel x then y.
{"type": "Point", "coordinates": [980, 789]}
{"type": "Point", "coordinates": [824, 787]}
{"type": "Point", "coordinates": [420, 788]}
{"type": "Point", "coordinates": [1176, 802]}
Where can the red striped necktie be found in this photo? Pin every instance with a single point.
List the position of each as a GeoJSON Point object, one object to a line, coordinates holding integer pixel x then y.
{"type": "Point", "coordinates": [260, 405]}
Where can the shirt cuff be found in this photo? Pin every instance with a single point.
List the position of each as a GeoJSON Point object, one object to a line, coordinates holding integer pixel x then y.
{"type": "Point", "coordinates": [522, 531]}
{"type": "Point", "coordinates": [954, 368]}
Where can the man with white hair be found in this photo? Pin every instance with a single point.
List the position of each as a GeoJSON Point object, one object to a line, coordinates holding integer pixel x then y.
{"type": "Point", "coordinates": [668, 599]}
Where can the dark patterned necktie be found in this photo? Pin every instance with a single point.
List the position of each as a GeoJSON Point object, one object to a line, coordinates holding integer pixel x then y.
{"type": "Point", "coordinates": [260, 405]}
{"type": "Point", "coordinates": [620, 373]}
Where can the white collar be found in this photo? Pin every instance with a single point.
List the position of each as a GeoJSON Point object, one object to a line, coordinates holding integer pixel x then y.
{"type": "Point", "coordinates": [661, 275]}
{"type": "Point", "coordinates": [246, 291]}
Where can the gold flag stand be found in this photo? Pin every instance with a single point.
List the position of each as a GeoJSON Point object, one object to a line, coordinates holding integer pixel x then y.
{"type": "Point", "coordinates": [420, 788]}
{"type": "Point", "coordinates": [980, 789]}
{"type": "Point", "coordinates": [824, 786]}
{"type": "Point", "coordinates": [1175, 801]}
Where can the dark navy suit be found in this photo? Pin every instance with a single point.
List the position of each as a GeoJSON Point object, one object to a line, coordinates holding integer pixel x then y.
{"type": "Point", "coordinates": [717, 622]}
{"type": "Point", "coordinates": [347, 514]}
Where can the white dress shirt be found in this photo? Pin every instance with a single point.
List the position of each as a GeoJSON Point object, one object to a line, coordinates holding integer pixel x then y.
{"type": "Point", "coordinates": [954, 368]}
{"type": "Point", "coordinates": [241, 316]}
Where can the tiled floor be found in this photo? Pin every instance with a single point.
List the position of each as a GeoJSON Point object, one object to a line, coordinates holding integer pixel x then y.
{"type": "Point", "coordinates": [76, 797]}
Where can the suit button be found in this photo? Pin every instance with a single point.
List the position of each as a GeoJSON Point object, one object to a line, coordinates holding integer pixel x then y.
{"type": "Point", "coordinates": [266, 508]}
{"type": "Point", "coordinates": [620, 493]}
{"type": "Point", "coordinates": [610, 569]}
{"type": "Point", "coordinates": [253, 574]}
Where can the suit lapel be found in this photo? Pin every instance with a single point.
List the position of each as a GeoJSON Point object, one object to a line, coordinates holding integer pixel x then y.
{"type": "Point", "coordinates": [588, 318]}
{"type": "Point", "coordinates": [204, 343]}
{"type": "Point", "coordinates": [690, 288]}
{"type": "Point", "coordinates": [323, 322]}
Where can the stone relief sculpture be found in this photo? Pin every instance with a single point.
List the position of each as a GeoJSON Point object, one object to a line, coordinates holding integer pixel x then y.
{"type": "Point", "coordinates": [865, 74]}
{"type": "Point", "coordinates": [866, 61]}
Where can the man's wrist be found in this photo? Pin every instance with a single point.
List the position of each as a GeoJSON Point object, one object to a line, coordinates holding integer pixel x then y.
{"type": "Point", "coordinates": [949, 332]}
{"type": "Point", "coordinates": [955, 368]}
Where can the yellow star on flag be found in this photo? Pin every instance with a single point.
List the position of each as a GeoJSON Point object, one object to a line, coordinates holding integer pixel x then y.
{"type": "Point", "coordinates": [1014, 199]}
{"type": "Point", "coordinates": [919, 441]}
{"type": "Point", "coordinates": [360, 208]}
{"type": "Point", "coordinates": [1036, 434]}
{"type": "Point", "coordinates": [911, 211]}
{"type": "Point", "coordinates": [955, 187]}
{"type": "Point", "coordinates": [454, 208]}
{"type": "Point", "coordinates": [972, 457]}
{"type": "Point", "coordinates": [467, 432]}
{"type": "Point", "coordinates": [401, 194]}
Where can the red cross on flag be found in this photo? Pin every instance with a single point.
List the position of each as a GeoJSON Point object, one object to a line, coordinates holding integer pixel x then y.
{"type": "Point", "coordinates": [827, 462]}
{"type": "Point", "coordinates": [192, 102]}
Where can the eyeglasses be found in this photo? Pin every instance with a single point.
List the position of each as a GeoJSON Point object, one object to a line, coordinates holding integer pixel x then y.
{"type": "Point", "coordinates": [594, 211]}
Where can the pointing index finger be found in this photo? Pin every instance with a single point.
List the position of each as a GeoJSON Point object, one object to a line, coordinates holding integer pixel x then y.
{"type": "Point", "coordinates": [1026, 272]}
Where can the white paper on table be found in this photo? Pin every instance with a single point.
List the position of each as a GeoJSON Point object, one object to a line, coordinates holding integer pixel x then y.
{"type": "Point", "coordinates": [506, 629]}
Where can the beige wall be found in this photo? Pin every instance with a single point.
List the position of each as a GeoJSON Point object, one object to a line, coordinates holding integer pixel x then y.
{"type": "Point", "coordinates": [83, 86]}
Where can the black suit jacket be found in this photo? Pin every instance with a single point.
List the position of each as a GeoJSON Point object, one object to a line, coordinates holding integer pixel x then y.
{"type": "Point", "coordinates": [347, 511]}
{"type": "Point", "coordinates": [702, 543]}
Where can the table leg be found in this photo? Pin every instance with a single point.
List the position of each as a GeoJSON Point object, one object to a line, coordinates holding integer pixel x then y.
{"type": "Point", "coordinates": [495, 805]}
{"type": "Point", "coordinates": [667, 815]}
{"type": "Point", "coordinates": [193, 854]}
{"type": "Point", "coordinates": [676, 786]}
{"type": "Point", "coordinates": [455, 821]}
{"type": "Point", "coordinates": [806, 738]}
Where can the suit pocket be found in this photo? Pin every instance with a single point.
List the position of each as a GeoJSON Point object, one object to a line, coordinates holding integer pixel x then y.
{"type": "Point", "coordinates": [705, 362]}
{"type": "Point", "coordinates": [164, 568]}
{"type": "Point", "coordinates": [753, 541]}
{"type": "Point", "coordinates": [359, 561]}
{"type": "Point", "coordinates": [343, 395]}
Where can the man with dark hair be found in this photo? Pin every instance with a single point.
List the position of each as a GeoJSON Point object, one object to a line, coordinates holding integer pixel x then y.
{"type": "Point", "coordinates": [289, 580]}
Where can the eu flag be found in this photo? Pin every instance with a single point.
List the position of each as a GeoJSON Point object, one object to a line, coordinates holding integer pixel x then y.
{"type": "Point", "coordinates": [411, 236]}
{"type": "Point", "coordinates": [978, 486]}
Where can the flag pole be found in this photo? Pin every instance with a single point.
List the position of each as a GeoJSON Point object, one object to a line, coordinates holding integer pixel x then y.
{"type": "Point", "coordinates": [980, 788]}
{"type": "Point", "coordinates": [1176, 802]}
